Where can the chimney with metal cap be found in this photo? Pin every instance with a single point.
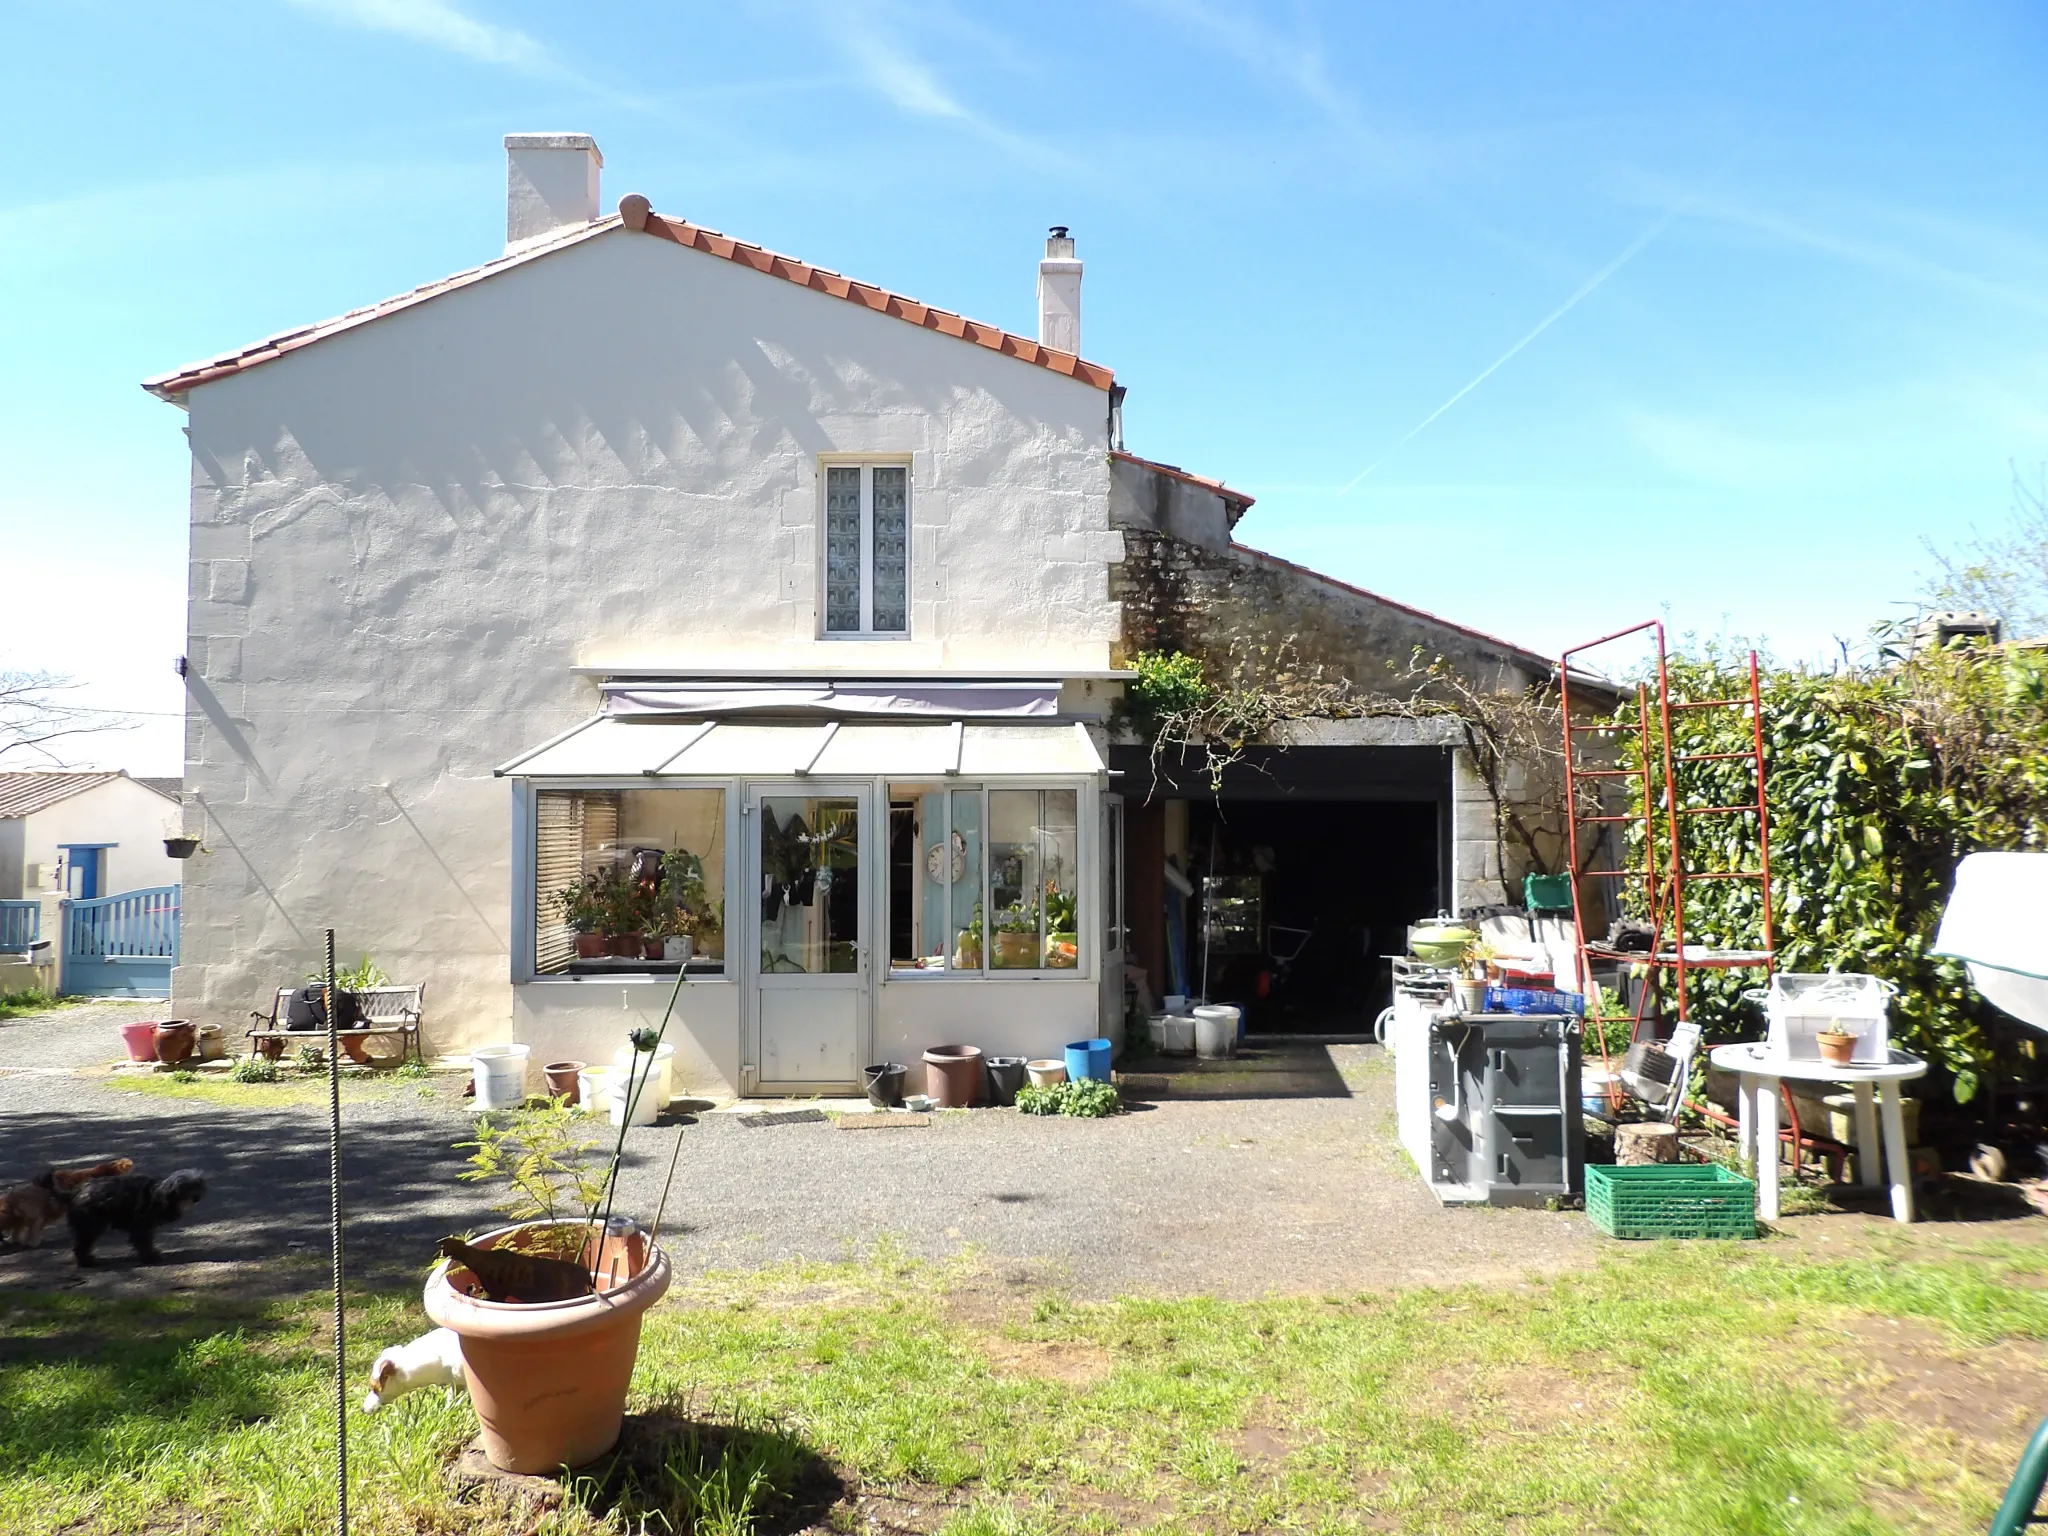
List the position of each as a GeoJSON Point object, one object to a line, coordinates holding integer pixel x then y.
{"type": "Point", "coordinates": [1059, 294]}
{"type": "Point", "coordinates": [550, 184]}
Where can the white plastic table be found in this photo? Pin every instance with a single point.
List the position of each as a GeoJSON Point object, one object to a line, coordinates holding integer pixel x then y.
{"type": "Point", "coordinates": [1758, 1073]}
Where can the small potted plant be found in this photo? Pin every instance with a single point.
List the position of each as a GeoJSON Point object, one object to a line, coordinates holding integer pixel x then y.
{"type": "Point", "coordinates": [1470, 982]}
{"type": "Point", "coordinates": [1062, 928]}
{"type": "Point", "coordinates": [626, 914]}
{"type": "Point", "coordinates": [1016, 937]}
{"type": "Point", "coordinates": [583, 909]}
{"type": "Point", "coordinates": [967, 944]}
{"type": "Point", "coordinates": [1836, 1044]}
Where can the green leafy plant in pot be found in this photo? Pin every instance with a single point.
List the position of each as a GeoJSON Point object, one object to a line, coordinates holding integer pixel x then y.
{"type": "Point", "coordinates": [583, 908]}
{"type": "Point", "coordinates": [1016, 936]}
{"type": "Point", "coordinates": [1062, 927]}
{"type": "Point", "coordinates": [549, 1310]}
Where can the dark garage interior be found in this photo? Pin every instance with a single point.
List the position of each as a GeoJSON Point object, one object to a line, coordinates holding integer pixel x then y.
{"type": "Point", "coordinates": [1310, 863]}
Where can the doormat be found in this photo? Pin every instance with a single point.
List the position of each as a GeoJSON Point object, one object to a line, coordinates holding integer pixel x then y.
{"type": "Point", "coordinates": [782, 1117]}
{"type": "Point", "coordinates": [881, 1121]}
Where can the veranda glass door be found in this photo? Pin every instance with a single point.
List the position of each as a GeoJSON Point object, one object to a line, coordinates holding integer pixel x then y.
{"type": "Point", "coordinates": [806, 850]}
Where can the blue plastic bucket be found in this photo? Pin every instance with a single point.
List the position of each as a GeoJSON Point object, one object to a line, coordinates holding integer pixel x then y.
{"type": "Point", "coordinates": [1088, 1058]}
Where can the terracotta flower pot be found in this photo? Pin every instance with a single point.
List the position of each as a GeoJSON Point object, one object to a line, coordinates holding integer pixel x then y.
{"type": "Point", "coordinates": [1017, 951]}
{"type": "Point", "coordinates": [270, 1050]}
{"type": "Point", "coordinates": [652, 948]}
{"type": "Point", "coordinates": [625, 945]}
{"type": "Point", "coordinates": [176, 1039]}
{"type": "Point", "coordinates": [561, 1076]}
{"type": "Point", "coordinates": [589, 946]}
{"type": "Point", "coordinates": [549, 1379]}
{"type": "Point", "coordinates": [952, 1075]}
{"type": "Point", "coordinates": [1836, 1046]}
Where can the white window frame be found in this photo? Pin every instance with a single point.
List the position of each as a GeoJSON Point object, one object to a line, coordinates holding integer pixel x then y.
{"type": "Point", "coordinates": [526, 899]}
{"type": "Point", "coordinates": [867, 468]}
{"type": "Point", "coordinates": [1087, 856]}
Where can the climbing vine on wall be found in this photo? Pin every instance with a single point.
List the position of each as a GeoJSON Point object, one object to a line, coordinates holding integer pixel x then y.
{"type": "Point", "coordinates": [1880, 781]}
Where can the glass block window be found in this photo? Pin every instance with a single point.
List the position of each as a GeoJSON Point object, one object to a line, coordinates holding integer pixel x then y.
{"type": "Point", "coordinates": [891, 546]}
{"type": "Point", "coordinates": [867, 549]}
{"type": "Point", "coordinates": [842, 550]}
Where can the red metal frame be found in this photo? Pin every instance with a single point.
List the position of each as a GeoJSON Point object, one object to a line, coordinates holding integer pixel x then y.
{"type": "Point", "coordinates": [1664, 890]}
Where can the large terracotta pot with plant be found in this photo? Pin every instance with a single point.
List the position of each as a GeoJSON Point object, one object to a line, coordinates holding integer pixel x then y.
{"type": "Point", "coordinates": [548, 1309]}
{"type": "Point", "coordinates": [549, 1379]}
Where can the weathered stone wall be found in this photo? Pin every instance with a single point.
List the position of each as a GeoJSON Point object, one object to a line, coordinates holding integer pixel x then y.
{"type": "Point", "coordinates": [1248, 615]}
{"type": "Point", "coordinates": [1238, 607]}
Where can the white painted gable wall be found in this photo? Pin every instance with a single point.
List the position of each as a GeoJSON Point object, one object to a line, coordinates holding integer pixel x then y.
{"type": "Point", "coordinates": [404, 536]}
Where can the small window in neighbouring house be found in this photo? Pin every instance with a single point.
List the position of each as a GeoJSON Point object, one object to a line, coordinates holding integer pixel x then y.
{"type": "Point", "coordinates": [867, 549]}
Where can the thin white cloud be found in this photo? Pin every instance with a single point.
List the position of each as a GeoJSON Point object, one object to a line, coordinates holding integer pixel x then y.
{"type": "Point", "coordinates": [875, 38]}
{"type": "Point", "coordinates": [441, 25]}
{"type": "Point", "coordinates": [899, 79]}
{"type": "Point", "coordinates": [1870, 254]}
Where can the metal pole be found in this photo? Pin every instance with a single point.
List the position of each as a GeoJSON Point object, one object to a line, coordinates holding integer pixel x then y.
{"type": "Point", "coordinates": [334, 1244]}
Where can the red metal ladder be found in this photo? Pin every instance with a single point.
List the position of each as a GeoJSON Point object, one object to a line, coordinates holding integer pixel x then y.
{"type": "Point", "coordinates": [1661, 789]}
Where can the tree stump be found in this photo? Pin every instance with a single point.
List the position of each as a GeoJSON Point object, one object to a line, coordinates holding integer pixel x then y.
{"type": "Point", "coordinates": [1648, 1141]}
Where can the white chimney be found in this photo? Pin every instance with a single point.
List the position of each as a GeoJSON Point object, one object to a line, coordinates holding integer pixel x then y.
{"type": "Point", "coordinates": [550, 184]}
{"type": "Point", "coordinates": [1059, 294]}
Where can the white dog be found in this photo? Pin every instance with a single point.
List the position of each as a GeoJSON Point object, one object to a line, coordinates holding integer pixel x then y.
{"type": "Point", "coordinates": [431, 1360]}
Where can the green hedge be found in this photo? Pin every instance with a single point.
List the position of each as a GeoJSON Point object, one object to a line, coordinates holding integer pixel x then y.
{"type": "Point", "coordinates": [1880, 781]}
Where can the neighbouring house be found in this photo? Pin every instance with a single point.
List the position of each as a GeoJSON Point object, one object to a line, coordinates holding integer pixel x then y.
{"type": "Point", "coordinates": [74, 836]}
{"type": "Point", "coordinates": [642, 604]}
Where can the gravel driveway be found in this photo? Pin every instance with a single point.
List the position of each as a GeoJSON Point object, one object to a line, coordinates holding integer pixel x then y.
{"type": "Point", "coordinates": [1305, 1190]}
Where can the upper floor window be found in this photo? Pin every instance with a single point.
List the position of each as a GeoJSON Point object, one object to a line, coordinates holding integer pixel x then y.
{"type": "Point", "coordinates": [867, 549]}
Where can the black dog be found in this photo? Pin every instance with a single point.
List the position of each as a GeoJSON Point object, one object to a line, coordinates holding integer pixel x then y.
{"type": "Point", "coordinates": [133, 1203]}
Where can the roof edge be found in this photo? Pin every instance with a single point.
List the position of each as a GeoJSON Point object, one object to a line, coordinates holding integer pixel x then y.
{"type": "Point", "coordinates": [1175, 472]}
{"type": "Point", "coordinates": [1545, 665]}
{"type": "Point", "coordinates": [635, 216]}
{"type": "Point", "coordinates": [868, 295]}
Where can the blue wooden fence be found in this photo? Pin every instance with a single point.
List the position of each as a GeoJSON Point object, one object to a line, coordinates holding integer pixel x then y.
{"type": "Point", "coordinates": [21, 924]}
{"type": "Point", "coordinates": [121, 946]}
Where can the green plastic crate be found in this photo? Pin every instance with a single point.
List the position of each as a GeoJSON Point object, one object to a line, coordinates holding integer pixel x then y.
{"type": "Point", "coordinates": [1671, 1200]}
{"type": "Point", "coordinates": [1547, 893]}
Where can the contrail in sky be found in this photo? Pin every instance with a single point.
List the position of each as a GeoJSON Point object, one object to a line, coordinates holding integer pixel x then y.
{"type": "Point", "coordinates": [1635, 247]}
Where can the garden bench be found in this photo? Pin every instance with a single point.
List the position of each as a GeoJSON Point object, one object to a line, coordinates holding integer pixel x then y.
{"type": "Point", "coordinates": [386, 1012]}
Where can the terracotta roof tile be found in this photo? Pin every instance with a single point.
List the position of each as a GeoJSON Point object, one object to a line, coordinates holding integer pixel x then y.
{"type": "Point", "coordinates": [634, 215]}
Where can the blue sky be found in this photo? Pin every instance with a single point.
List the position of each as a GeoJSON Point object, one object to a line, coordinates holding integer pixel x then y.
{"type": "Point", "coordinates": [1807, 245]}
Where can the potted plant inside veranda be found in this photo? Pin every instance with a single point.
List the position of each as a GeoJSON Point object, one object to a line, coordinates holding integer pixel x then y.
{"type": "Point", "coordinates": [967, 944]}
{"type": "Point", "coordinates": [627, 913]}
{"type": "Point", "coordinates": [583, 909]}
{"type": "Point", "coordinates": [1016, 937]}
{"type": "Point", "coordinates": [549, 1308]}
{"type": "Point", "coordinates": [1062, 928]}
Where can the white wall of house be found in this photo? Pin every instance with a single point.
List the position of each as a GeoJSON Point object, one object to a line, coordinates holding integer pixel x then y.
{"type": "Point", "coordinates": [120, 811]}
{"type": "Point", "coordinates": [405, 537]}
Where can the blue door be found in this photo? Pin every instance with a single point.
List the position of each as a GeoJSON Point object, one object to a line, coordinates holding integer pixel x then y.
{"type": "Point", "coordinates": [86, 865]}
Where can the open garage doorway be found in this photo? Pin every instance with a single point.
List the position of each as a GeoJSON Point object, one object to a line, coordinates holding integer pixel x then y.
{"type": "Point", "coordinates": [1304, 898]}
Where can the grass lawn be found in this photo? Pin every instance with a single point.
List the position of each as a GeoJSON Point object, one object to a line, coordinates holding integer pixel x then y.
{"type": "Point", "coordinates": [291, 1089]}
{"type": "Point", "coordinates": [1765, 1387]}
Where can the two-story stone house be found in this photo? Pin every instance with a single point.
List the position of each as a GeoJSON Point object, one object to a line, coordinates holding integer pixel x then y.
{"type": "Point", "coordinates": [643, 560]}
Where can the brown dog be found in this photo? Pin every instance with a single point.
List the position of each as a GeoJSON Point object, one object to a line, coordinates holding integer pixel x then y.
{"type": "Point", "coordinates": [27, 1209]}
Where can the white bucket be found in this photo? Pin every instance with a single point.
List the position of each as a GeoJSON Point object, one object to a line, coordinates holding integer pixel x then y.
{"type": "Point", "coordinates": [616, 1093]}
{"type": "Point", "coordinates": [664, 1057]}
{"type": "Point", "coordinates": [1216, 1030]}
{"type": "Point", "coordinates": [500, 1075]}
{"type": "Point", "coordinates": [1177, 1034]}
{"type": "Point", "coordinates": [591, 1085]}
